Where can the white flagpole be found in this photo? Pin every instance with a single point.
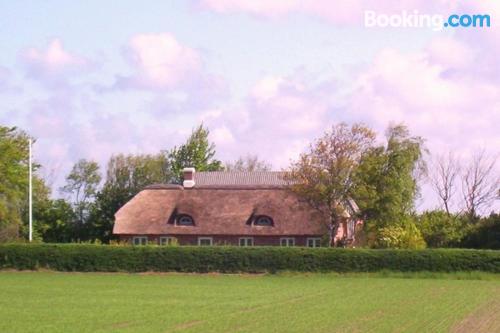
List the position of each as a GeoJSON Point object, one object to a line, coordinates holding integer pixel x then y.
{"type": "Point", "coordinates": [30, 199]}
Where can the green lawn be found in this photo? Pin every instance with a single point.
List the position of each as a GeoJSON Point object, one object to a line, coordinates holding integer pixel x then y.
{"type": "Point", "coordinates": [92, 302]}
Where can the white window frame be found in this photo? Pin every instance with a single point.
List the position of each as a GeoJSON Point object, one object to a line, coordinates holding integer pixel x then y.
{"type": "Point", "coordinates": [247, 241]}
{"type": "Point", "coordinates": [140, 240]}
{"type": "Point", "coordinates": [200, 239]}
{"type": "Point", "coordinates": [165, 240]}
{"type": "Point", "coordinates": [316, 241]}
{"type": "Point", "coordinates": [290, 241]}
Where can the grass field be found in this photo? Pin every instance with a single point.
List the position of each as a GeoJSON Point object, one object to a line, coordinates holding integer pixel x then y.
{"type": "Point", "coordinates": [91, 302]}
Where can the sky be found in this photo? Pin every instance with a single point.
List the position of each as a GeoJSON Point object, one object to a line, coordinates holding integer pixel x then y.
{"type": "Point", "coordinates": [90, 79]}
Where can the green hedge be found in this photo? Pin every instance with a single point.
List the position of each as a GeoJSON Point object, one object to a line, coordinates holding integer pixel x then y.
{"type": "Point", "coordinates": [102, 258]}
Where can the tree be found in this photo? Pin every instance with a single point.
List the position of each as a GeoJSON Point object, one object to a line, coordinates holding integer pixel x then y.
{"type": "Point", "coordinates": [197, 152]}
{"type": "Point", "coordinates": [485, 234]}
{"type": "Point", "coordinates": [386, 183]}
{"type": "Point", "coordinates": [323, 176]}
{"type": "Point", "coordinates": [443, 176]}
{"type": "Point", "coordinates": [126, 175]}
{"type": "Point", "coordinates": [248, 163]}
{"type": "Point", "coordinates": [82, 184]}
{"type": "Point", "coordinates": [52, 218]}
{"type": "Point", "coordinates": [442, 229]}
{"type": "Point", "coordinates": [480, 184]}
{"type": "Point", "coordinates": [13, 180]}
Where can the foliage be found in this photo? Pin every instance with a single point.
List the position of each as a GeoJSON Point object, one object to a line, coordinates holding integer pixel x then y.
{"type": "Point", "coordinates": [126, 176]}
{"type": "Point", "coordinates": [13, 180]}
{"type": "Point", "coordinates": [405, 236]}
{"type": "Point", "coordinates": [52, 218]}
{"type": "Point", "coordinates": [386, 186]}
{"type": "Point", "coordinates": [248, 163]}
{"type": "Point", "coordinates": [485, 234]}
{"type": "Point", "coordinates": [197, 152]}
{"type": "Point", "coordinates": [441, 229]}
{"type": "Point", "coordinates": [323, 176]}
{"type": "Point", "coordinates": [387, 178]}
{"type": "Point", "coordinates": [88, 258]}
{"type": "Point", "coordinates": [82, 184]}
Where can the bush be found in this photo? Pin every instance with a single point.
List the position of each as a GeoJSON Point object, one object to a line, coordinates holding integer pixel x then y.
{"type": "Point", "coordinates": [102, 258]}
{"type": "Point", "coordinates": [484, 235]}
{"type": "Point", "coordinates": [442, 230]}
{"type": "Point", "coordinates": [405, 236]}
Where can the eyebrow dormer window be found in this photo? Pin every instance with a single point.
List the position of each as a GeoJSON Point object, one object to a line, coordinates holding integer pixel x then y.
{"type": "Point", "coordinates": [185, 220]}
{"type": "Point", "coordinates": [263, 220]}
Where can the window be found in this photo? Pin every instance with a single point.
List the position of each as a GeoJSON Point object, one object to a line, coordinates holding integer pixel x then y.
{"type": "Point", "coordinates": [287, 241]}
{"type": "Point", "coordinates": [205, 241]}
{"type": "Point", "coordinates": [314, 242]}
{"type": "Point", "coordinates": [185, 220]}
{"type": "Point", "coordinates": [166, 240]}
{"type": "Point", "coordinates": [263, 221]}
{"type": "Point", "coordinates": [246, 241]}
{"type": "Point", "coordinates": [140, 240]}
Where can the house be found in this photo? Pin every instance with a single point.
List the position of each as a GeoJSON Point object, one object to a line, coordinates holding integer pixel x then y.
{"type": "Point", "coordinates": [224, 208]}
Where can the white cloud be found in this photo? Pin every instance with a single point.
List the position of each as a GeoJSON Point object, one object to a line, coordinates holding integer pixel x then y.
{"type": "Point", "coordinates": [159, 62]}
{"type": "Point", "coordinates": [54, 63]}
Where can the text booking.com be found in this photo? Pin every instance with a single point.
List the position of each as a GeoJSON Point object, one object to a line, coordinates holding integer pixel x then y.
{"type": "Point", "coordinates": [416, 20]}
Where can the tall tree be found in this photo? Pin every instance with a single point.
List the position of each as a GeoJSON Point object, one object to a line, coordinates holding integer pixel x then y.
{"type": "Point", "coordinates": [126, 175]}
{"type": "Point", "coordinates": [480, 184]}
{"type": "Point", "coordinates": [386, 182]}
{"type": "Point", "coordinates": [387, 179]}
{"type": "Point", "coordinates": [197, 152]}
{"type": "Point", "coordinates": [13, 180]}
{"type": "Point", "coordinates": [323, 176]}
{"type": "Point", "coordinates": [82, 184]}
{"type": "Point", "coordinates": [443, 176]}
{"type": "Point", "coordinates": [250, 163]}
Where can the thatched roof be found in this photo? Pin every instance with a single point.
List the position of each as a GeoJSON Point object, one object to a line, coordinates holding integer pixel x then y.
{"type": "Point", "coordinates": [218, 209]}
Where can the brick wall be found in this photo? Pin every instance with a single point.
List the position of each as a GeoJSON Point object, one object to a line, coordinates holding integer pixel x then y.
{"type": "Point", "coordinates": [223, 239]}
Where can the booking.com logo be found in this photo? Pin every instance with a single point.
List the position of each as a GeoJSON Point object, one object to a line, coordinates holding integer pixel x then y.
{"type": "Point", "coordinates": [417, 20]}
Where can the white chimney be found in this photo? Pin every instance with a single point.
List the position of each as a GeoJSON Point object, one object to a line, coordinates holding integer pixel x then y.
{"type": "Point", "coordinates": [188, 177]}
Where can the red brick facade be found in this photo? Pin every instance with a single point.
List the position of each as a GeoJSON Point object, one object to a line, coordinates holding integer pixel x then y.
{"type": "Point", "coordinates": [222, 239]}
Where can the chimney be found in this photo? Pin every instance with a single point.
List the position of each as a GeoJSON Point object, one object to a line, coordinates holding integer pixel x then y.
{"type": "Point", "coordinates": [188, 177]}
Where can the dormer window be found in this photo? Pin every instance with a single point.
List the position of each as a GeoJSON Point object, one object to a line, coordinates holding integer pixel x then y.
{"type": "Point", "coordinates": [184, 220]}
{"type": "Point", "coordinates": [263, 220]}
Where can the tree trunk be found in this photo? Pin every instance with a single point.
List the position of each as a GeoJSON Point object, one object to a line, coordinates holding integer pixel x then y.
{"type": "Point", "coordinates": [332, 230]}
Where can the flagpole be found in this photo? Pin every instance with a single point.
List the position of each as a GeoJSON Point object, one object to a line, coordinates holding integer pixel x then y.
{"type": "Point", "coordinates": [30, 199]}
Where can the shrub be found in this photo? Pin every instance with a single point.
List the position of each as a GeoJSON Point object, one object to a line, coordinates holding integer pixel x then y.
{"type": "Point", "coordinates": [442, 230]}
{"type": "Point", "coordinates": [102, 258]}
{"type": "Point", "coordinates": [401, 237]}
{"type": "Point", "coordinates": [484, 235]}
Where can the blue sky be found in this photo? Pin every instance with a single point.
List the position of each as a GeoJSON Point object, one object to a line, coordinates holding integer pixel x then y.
{"type": "Point", "coordinates": [94, 78]}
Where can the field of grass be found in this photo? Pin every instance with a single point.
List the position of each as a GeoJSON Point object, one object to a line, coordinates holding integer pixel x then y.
{"type": "Point", "coordinates": [92, 302]}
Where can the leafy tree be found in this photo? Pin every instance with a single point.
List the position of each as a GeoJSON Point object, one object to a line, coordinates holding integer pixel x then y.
{"type": "Point", "coordinates": [197, 152]}
{"type": "Point", "coordinates": [13, 180]}
{"type": "Point", "coordinates": [323, 176]}
{"type": "Point", "coordinates": [126, 176]}
{"type": "Point", "coordinates": [248, 163]}
{"type": "Point", "coordinates": [82, 184]}
{"type": "Point", "coordinates": [386, 182]}
{"type": "Point", "coordinates": [441, 229]}
{"type": "Point", "coordinates": [485, 234]}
